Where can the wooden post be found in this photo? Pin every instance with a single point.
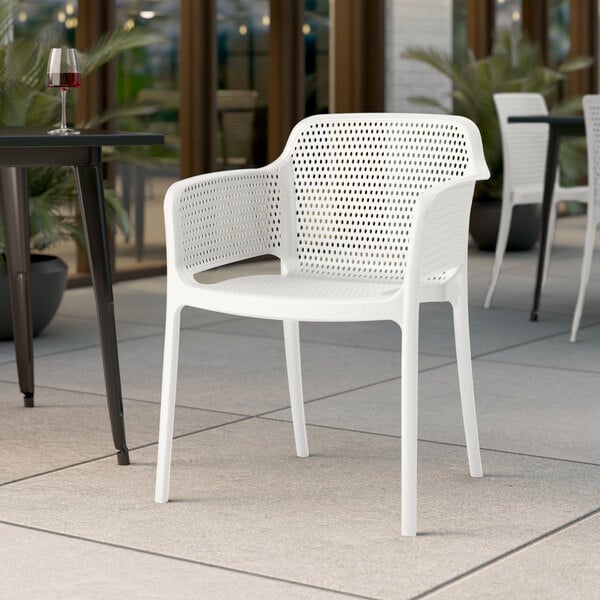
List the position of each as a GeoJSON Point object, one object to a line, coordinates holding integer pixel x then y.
{"type": "Point", "coordinates": [198, 83]}
{"type": "Point", "coordinates": [358, 56]}
{"type": "Point", "coordinates": [480, 26]}
{"type": "Point", "coordinates": [286, 72]}
{"type": "Point", "coordinates": [584, 42]}
{"type": "Point", "coordinates": [98, 91]}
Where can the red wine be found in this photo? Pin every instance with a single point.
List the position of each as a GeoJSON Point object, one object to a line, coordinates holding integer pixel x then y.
{"type": "Point", "coordinates": [63, 80]}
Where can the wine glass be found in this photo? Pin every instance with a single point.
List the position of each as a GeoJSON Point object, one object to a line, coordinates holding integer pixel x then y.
{"type": "Point", "coordinates": [63, 72]}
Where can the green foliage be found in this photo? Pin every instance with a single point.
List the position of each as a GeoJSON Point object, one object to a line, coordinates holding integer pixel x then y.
{"type": "Point", "coordinates": [26, 101]}
{"type": "Point", "coordinates": [515, 65]}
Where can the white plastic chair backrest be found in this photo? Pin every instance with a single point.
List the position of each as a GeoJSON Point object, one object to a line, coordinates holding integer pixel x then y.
{"type": "Point", "coordinates": [524, 145]}
{"type": "Point", "coordinates": [591, 112]}
{"type": "Point", "coordinates": [339, 201]}
{"type": "Point", "coordinates": [357, 178]}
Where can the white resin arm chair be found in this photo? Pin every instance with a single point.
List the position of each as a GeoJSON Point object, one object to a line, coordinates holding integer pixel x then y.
{"type": "Point", "coordinates": [591, 112]}
{"type": "Point", "coordinates": [524, 150]}
{"type": "Point", "coordinates": [368, 214]}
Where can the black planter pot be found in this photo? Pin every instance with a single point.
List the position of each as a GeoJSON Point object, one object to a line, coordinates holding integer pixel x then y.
{"type": "Point", "coordinates": [48, 282]}
{"type": "Point", "coordinates": [485, 221]}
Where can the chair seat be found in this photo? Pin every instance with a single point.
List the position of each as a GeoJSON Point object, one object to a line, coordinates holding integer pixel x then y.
{"type": "Point", "coordinates": [298, 297]}
{"type": "Point", "coordinates": [579, 193]}
{"type": "Point", "coordinates": [530, 193]}
{"type": "Point", "coordinates": [304, 287]}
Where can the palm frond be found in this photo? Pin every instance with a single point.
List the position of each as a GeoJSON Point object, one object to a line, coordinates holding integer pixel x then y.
{"type": "Point", "coordinates": [111, 44]}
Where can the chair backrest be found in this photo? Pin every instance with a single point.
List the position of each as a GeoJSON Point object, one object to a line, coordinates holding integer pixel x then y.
{"type": "Point", "coordinates": [340, 201]}
{"type": "Point", "coordinates": [524, 145]}
{"type": "Point", "coordinates": [357, 179]}
{"type": "Point", "coordinates": [591, 112]}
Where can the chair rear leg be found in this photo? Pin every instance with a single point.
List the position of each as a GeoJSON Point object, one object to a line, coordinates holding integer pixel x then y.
{"type": "Point", "coordinates": [291, 336]}
{"type": "Point", "coordinates": [460, 313]}
{"type": "Point", "coordinates": [503, 230]}
{"type": "Point", "coordinates": [586, 266]}
{"type": "Point", "coordinates": [167, 403]}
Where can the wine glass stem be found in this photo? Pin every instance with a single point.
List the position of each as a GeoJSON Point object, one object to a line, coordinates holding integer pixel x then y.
{"type": "Point", "coordinates": [63, 98]}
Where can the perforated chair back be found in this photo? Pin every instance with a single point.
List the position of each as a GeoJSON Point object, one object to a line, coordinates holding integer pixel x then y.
{"type": "Point", "coordinates": [340, 200]}
{"type": "Point", "coordinates": [591, 111]}
{"type": "Point", "coordinates": [524, 145]}
{"type": "Point", "coordinates": [368, 214]}
{"type": "Point", "coordinates": [356, 182]}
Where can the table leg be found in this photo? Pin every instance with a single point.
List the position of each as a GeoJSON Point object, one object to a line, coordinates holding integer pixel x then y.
{"type": "Point", "coordinates": [549, 180]}
{"type": "Point", "coordinates": [14, 210]}
{"type": "Point", "coordinates": [91, 197]}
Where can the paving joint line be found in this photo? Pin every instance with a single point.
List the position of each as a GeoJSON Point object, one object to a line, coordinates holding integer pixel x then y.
{"type": "Point", "coordinates": [112, 454]}
{"type": "Point", "coordinates": [507, 554]}
{"type": "Point", "coordinates": [183, 559]}
{"type": "Point", "coordinates": [429, 441]}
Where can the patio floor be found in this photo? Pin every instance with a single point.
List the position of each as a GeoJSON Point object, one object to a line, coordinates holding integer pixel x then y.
{"type": "Point", "coordinates": [250, 520]}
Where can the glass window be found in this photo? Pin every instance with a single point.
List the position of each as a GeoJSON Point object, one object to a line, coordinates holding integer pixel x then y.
{"type": "Point", "coordinates": [243, 80]}
{"type": "Point", "coordinates": [62, 16]}
{"type": "Point", "coordinates": [148, 76]}
{"type": "Point", "coordinates": [459, 30]}
{"type": "Point", "coordinates": [316, 42]}
{"type": "Point", "coordinates": [559, 34]}
{"type": "Point", "coordinates": [509, 14]}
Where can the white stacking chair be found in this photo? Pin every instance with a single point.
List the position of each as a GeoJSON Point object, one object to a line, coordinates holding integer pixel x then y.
{"type": "Point", "coordinates": [591, 112]}
{"type": "Point", "coordinates": [524, 150]}
{"type": "Point", "coordinates": [368, 214]}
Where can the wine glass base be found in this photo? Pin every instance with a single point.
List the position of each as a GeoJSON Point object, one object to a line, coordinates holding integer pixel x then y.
{"type": "Point", "coordinates": [63, 131]}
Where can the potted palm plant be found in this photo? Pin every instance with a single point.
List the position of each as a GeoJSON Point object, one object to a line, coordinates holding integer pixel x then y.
{"type": "Point", "coordinates": [515, 65]}
{"type": "Point", "coordinates": [53, 212]}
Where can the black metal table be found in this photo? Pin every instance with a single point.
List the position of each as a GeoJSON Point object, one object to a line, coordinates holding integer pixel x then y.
{"type": "Point", "coordinates": [560, 126]}
{"type": "Point", "coordinates": [21, 148]}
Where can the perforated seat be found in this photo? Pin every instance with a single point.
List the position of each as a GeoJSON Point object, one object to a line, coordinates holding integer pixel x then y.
{"type": "Point", "coordinates": [368, 214]}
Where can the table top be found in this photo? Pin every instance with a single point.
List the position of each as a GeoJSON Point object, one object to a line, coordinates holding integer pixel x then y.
{"type": "Point", "coordinates": [560, 120]}
{"type": "Point", "coordinates": [37, 137]}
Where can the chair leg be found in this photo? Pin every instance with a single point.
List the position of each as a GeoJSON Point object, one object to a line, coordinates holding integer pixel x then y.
{"type": "Point", "coordinates": [503, 229]}
{"type": "Point", "coordinates": [460, 313]}
{"type": "Point", "coordinates": [549, 240]}
{"type": "Point", "coordinates": [167, 403]}
{"type": "Point", "coordinates": [586, 266]}
{"type": "Point", "coordinates": [409, 418]}
{"type": "Point", "coordinates": [291, 336]}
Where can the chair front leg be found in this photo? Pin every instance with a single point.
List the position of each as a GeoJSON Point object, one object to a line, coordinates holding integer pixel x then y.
{"type": "Point", "coordinates": [409, 417]}
{"type": "Point", "coordinates": [167, 402]}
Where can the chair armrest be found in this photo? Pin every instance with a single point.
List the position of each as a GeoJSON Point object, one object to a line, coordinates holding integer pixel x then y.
{"type": "Point", "coordinates": [440, 232]}
{"type": "Point", "coordinates": [219, 218]}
